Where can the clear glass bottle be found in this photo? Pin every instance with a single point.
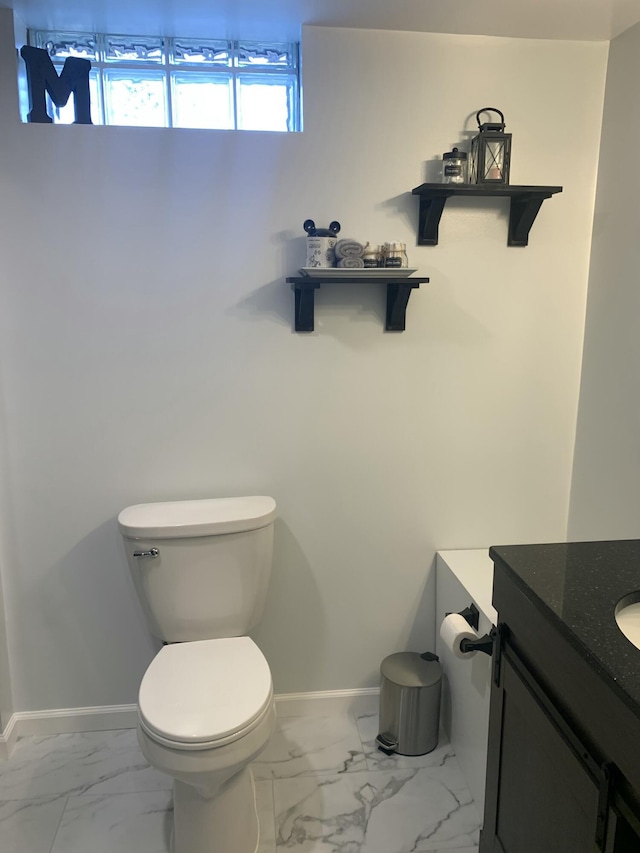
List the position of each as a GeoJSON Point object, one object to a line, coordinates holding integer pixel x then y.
{"type": "Point", "coordinates": [454, 167]}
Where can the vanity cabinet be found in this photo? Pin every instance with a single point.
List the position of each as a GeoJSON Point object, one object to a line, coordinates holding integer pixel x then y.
{"type": "Point", "coordinates": [545, 800]}
{"type": "Point", "coordinates": [563, 769]}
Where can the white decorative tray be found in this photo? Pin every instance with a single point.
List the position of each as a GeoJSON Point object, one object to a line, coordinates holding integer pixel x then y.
{"type": "Point", "coordinates": [365, 272]}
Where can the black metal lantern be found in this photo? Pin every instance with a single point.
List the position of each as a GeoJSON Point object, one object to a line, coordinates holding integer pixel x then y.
{"type": "Point", "coordinates": [490, 151]}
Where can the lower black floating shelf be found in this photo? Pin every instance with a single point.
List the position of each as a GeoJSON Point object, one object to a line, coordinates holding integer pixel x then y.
{"type": "Point", "coordinates": [525, 204]}
{"type": "Point", "coordinates": [398, 293]}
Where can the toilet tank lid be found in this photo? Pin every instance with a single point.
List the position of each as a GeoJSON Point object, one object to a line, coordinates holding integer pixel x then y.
{"type": "Point", "coordinates": [209, 517]}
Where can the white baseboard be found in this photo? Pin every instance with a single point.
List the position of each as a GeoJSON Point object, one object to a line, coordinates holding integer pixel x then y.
{"type": "Point", "coordinates": [107, 717]}
{"type": "Point", "coordinates": [8, 738]}
{"type": "Point", "coordinates": [64, 721]}
{"type": "Point", "coordinates": [362, 701]}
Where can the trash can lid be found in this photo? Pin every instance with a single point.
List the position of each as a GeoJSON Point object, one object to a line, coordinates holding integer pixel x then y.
{"type": "Point", "coordinates": [408, 669]}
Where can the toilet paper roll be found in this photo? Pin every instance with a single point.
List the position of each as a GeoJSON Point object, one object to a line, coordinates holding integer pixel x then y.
{"type": "Point", "coordinates": [453, 630]}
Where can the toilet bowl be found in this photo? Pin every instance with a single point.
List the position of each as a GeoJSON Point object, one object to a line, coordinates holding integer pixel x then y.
{"type": "Point", "coordinates": [205, 711]}
{"type": "Point", "coordinates": [205, 704]}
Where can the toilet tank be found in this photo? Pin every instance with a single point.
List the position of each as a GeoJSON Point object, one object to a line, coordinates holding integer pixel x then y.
{"type": "Point", "coordinates": [201, 568]}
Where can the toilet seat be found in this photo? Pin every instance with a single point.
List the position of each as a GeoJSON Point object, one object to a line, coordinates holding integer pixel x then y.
{"type": "Point", "coordinates": [205, 694]}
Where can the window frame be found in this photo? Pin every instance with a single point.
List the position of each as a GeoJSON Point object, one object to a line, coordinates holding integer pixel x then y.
{"type": "Point", "coordinates": [236, 67]}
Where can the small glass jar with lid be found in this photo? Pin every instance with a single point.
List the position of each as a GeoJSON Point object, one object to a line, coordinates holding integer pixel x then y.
{"type": "Point", "coordinates": [454, 167]}
{"type": "Point", "coordinates": [396, 255]}
{"type": "Point", "coordinates": [371, 256]}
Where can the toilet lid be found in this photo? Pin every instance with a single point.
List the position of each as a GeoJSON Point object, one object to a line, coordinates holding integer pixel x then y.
{"type": "Point", "coordinates": [205, 690]}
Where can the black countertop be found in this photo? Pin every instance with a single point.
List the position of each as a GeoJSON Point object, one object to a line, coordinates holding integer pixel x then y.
{"type": "Point", "coordinates": [577, 585]}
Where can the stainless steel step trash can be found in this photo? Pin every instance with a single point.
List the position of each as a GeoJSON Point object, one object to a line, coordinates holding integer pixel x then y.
{"type": "Point", "coordinates": [409, 703]}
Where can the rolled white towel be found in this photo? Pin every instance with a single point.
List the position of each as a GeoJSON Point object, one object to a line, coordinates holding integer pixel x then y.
{"type": "Point", "coordinates": [350, 263]}
{"type": "Point", "coordinates": [348, 249]}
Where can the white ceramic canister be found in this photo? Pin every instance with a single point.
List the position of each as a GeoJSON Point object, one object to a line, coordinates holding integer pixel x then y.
{"type": "Point", "coordinates": [321, 252]}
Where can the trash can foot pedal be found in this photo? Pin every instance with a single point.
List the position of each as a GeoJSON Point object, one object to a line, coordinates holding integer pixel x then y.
{"type": "Point", "coordinates": [386, 744]}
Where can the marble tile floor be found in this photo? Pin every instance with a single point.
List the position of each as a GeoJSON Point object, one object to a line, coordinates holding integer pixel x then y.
{"type": "Point", "coordinates": [321, 785]}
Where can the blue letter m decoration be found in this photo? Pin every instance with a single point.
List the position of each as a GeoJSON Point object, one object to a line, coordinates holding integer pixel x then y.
{"type": "Point", "coordinates": [42, 77]}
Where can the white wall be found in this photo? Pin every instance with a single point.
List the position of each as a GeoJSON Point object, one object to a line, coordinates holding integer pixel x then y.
{"type": "Point", "coordinates": [7, 537]}
{"type": "Point", "coordinates": [148, 353]}
{"type": "Point", "coordinates": [605, 498]}
{"type": "Point", "coordinates": [6, 560]}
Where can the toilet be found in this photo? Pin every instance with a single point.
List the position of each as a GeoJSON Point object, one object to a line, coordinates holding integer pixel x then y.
{"type": "Point", "coordinates": [205, 705]}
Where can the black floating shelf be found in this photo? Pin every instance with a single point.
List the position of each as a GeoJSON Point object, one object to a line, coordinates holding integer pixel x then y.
{"type": "Point", "coordinates": [525, 204]}
{"type": "Point", "coordinates": [398, 293]}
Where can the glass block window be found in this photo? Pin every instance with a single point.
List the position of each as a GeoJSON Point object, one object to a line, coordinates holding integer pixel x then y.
{"type": "Point", "coordinates": [153, 81]}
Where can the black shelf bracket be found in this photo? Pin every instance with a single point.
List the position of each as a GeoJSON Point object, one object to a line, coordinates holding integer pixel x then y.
{"type": "Point", "coordinates": [305, 298]}
{"type": "Point", "coordinates": [398, 293]}
{"type": "Point", "coordinates": [522, 215]}
{"type": "Point", "coordinates": [431, 207]}
{"type": "Point", "coordinates": [525, 202]}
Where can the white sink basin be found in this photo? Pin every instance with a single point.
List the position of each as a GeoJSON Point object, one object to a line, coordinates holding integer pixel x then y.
{"type": "Point", "coordinates": [628, 619]}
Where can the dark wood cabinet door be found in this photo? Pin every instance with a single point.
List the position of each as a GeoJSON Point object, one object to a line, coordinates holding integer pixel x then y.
{"type": "Point", "coordinates": [540, 796]}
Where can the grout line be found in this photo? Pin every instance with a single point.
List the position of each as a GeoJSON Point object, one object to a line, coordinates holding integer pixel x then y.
{"type": "Point", "coordinates": [55, 834]}
{"type": "Point", "coordinates": [275, 824]}
{"type": "Point", "coordinates": [364, 754]}
{"type": "Point", "coordinates": [368, 762]}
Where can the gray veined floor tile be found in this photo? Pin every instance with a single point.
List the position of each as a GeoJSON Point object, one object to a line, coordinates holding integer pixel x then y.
{"type": "Point", "coordinates": [29, 826]}
{"type": "Point", "coordinates": [330, 794]}
{"type": "Point", "coordinates": [377, 760]}
{"type": "Point", "coordinates": [302, 746]}
{"type": "Point", "coordinates": [116, 823]}
{"type": "Point", "coordinates": [135, 823]}
{"type": "Point", "coordinates": [88, 762]}
{"type": "Point", "coordinates": [424, 809]}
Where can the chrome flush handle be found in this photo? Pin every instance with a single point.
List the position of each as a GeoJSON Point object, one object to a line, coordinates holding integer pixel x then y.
{"type": "Point", "coordinates": [152, 552]}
